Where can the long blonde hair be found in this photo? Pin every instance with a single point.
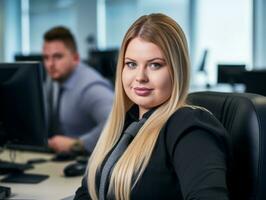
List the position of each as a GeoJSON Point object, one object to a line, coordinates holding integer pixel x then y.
{"type": "Point", "coordinates": [169, 37]}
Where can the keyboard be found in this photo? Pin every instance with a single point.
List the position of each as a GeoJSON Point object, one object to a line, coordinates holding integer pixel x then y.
{"type": "Point", "coordinates": [5, 192]}
{"type": "Point", "coordinates": [40, 149]}
{"type": "Point", "coordinates": [10, 167]}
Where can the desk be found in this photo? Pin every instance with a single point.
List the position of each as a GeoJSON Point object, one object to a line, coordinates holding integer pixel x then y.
{"type": "Point", "coordinates": [53, 188]}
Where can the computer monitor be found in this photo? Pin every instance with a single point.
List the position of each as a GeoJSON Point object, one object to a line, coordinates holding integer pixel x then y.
{"type": "Point", "coordinates": [255, 81]}
{"type": "Point", "coordinates": [202, 66]}
{"type": "Point", "coordinates": [231, 73]}
{"type": "Point", "coordinates": [104, 61]}
{"type": "Point", "coordinates": [22, 111]}
{"type": "Point", "coordinates": [31, 57]}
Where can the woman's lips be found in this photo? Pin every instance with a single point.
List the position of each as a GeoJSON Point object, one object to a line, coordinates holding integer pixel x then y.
{"type": "Point", "coordinates": [142, 91]}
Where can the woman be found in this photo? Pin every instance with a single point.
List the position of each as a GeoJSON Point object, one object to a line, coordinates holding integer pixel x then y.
{"type": "Point", "coordinates": [175, 151]}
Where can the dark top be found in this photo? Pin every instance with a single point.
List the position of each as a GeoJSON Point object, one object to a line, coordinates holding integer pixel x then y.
{"type": "Point", "coordinates": [189, 160]}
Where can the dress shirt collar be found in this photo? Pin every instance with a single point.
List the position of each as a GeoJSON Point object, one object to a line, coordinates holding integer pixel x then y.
{"type": "Point", "coordinates": [71, 80]}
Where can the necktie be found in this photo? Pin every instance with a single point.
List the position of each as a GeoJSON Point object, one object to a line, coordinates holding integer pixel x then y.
{"type": "Point", "coordinates": [56, 112]}
{"type": "Point", "coordinates": [127, 137]}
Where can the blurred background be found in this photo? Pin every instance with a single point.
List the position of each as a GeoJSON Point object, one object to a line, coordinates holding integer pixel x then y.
{"type": "Point", "coordinates": [223, 35]}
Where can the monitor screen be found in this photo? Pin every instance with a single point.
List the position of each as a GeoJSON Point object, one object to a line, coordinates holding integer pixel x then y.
{"type": "Point", "coordinates": [22, 110]}
{"type": "Point", "coordinates": [31, 57]}
{"type": "Point", "coordinates": [104, 61]}
{"type": "Point", "coordinates": [255, 81]}
{"type": "Point", "coordinates": [231, 73]}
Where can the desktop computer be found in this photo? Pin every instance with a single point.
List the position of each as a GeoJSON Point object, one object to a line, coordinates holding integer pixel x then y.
{"type": "Point", "coordinates": [36, 57]}
{"type": "Point", "coordinates": [255, 81]}
{"type": "Point", "coordinates": [22, 111]}
{"type": "Point", "coordinates": [105, 62]}
{"type": "Point", "coordinates": [231, 73]}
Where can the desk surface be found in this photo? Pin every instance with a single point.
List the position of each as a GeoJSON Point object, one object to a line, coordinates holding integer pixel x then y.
{"type": "Point", "coordinates": [54, 188]}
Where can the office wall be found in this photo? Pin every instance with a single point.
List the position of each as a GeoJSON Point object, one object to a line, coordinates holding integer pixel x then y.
{"type": "Point", "coordinates": [259, 28]}
{"type": "Point", "coordinates": [45, 15]}
{"type": "Point", "coordinates": [10, 25]}
{"type": "Point", "coordinates": [80, 16]}
{"type": "Point", "coordinates": [120, 14]}
{"type": "Point", "coordinates": [1, 30]}
{"type": "Point", "coordinates": [225, 29]}
{"type": "Point", "coordinates": [86, 22]}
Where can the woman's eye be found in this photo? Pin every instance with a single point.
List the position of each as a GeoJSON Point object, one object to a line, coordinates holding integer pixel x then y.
{"type": "Point", "coordinates": [131, 65]}
{"type": "Point", "coordinates": [155, 65]}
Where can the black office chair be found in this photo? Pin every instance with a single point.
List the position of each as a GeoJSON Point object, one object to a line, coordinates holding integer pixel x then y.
{"type": "Point", "coordinates": [244, 117]}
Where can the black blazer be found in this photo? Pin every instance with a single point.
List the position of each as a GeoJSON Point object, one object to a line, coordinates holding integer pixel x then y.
{"type": "Point", "coordinates": [189, 161]}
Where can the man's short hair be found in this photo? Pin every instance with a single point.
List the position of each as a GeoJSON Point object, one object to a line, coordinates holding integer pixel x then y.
{"type": "Point", "coordinates": [61, 33]}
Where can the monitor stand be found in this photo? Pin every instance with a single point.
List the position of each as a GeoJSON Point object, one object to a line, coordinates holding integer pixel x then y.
{"type": "Point", "coordinates": [15, 173]}
{"type": "Point", "coordinates": [5, 192]}
{"type": "Point", "coordinates": [24, 178]}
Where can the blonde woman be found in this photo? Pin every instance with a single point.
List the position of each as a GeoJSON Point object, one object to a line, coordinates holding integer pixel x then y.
{"type": "Point", "coordinates": [154, 145]}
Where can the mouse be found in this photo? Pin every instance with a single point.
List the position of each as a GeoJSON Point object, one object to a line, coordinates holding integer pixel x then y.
{"type": "Point", "coordinates": [75, 169]}
{"type": "Point", "coordinates": [64, 156]}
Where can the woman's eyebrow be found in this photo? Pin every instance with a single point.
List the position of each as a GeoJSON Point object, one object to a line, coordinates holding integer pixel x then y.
{"type": "Point", "coordinates": [153, 59]}
{"type": "Point", "coordinates": [126, 58]}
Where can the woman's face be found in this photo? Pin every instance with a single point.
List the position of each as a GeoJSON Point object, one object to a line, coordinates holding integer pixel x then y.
{"type": "Point", "coordinates": [146, 76]}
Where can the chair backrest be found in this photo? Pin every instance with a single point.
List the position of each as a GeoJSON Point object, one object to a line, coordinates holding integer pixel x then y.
{"type": "Point", "coordinates": [244, 117]}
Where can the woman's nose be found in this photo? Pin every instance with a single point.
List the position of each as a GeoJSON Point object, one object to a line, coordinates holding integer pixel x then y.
{"type": "Point", "coordinates": [141, 75]}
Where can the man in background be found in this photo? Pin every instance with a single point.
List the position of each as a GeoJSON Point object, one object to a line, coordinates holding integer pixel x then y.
{"type": "Point", "coordinates": [79, 98]}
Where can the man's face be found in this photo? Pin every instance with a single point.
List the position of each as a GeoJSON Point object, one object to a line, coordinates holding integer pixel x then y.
{"type": "Point", "coordinates": [59, 61]}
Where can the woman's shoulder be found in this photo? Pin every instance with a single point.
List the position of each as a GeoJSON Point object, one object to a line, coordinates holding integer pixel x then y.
{"type": "Point", "coordinates": [190, 119]}
{"type": "Point", "coordinates": [193, 116]}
